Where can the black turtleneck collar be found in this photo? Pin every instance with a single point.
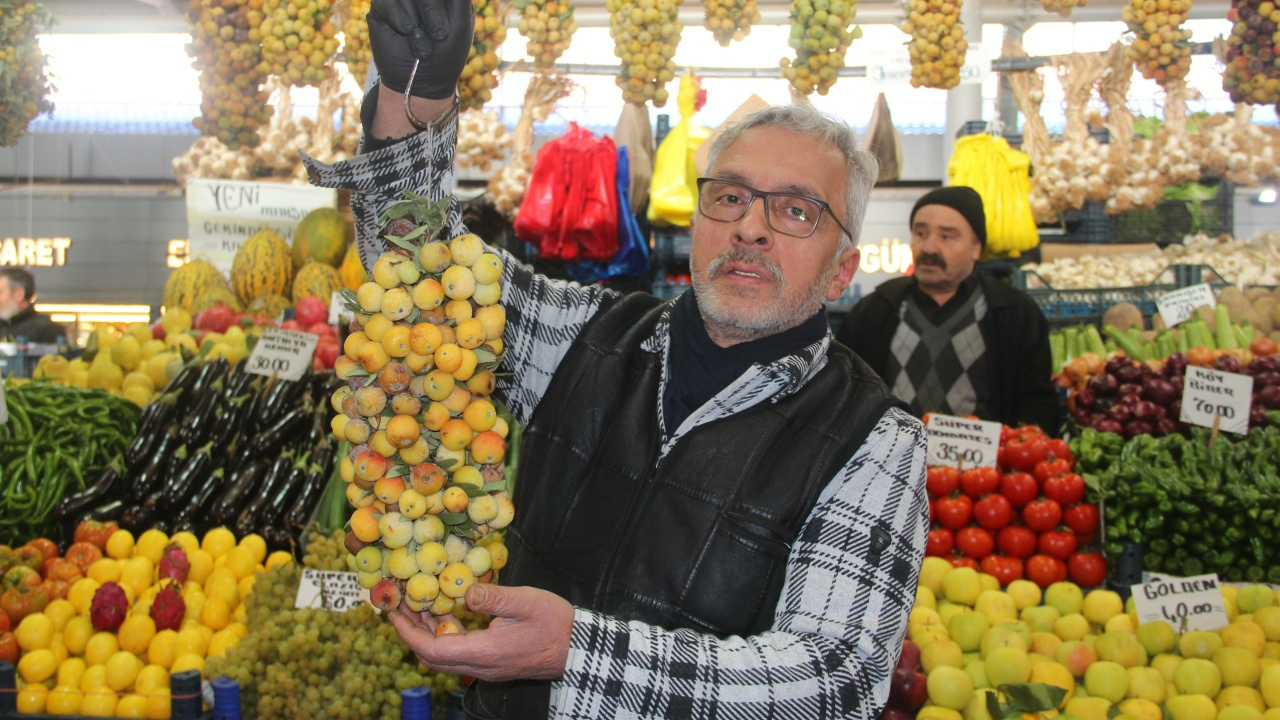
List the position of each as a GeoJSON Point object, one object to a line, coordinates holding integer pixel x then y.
{"type": "Point", "coordinates": [698, 369]}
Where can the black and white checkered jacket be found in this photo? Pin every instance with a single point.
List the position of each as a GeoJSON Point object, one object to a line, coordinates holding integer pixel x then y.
{"type": "Point", "coordinates": [840, 622]}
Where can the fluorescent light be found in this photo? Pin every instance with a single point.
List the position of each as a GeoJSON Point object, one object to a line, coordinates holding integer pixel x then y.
{"type": "Point", "coordinates": [1267, 196]}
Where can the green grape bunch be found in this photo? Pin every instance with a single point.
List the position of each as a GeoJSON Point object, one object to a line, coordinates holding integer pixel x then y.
{"type": "Point", "coordinates": [937, 46]}
{"type": "Point", "coordinates": [821, 33]}
{"type": "Point", "coordinates": [480, 74]}
{"type": "Point", "coordinates": [226, 49]}
{"type": "Point", "coordinates": [548, 25]}
{"type": "Point", "coordinates": [730, 20]}
{"type": "Point", "coordinates": [356, 52]}
{"type": "Point", "coordinates": [24, 84]}
{"type": "Point", "coordinates": [298, 38]}
{"type": "Point", "coordinates": [645, 36]}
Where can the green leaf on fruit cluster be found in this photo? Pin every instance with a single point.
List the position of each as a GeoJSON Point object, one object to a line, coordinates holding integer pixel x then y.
{"type": "Point", "coordinates": [451, 518]}
{"type": "Point", "coordinates": [471, 490]}
{"type": "Point", "coordinates": [1024, 698]}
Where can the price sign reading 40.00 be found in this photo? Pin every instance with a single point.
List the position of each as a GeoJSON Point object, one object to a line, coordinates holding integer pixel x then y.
{"type": "Point", "coordinates": [1196, 600]}
{"type": "Point", "coordinates": [962, 443]}
{"type": "Point", "coordinates": [283, 353]}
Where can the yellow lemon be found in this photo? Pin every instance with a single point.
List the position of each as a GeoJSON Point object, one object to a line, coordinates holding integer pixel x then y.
{"type": "Point", "coordinates": [242, 561]}
{"type": "Point", "coordinates": [223, 583]}
{"type": "Point", "coordinates": [120, 545]}
{"type": "Point", "coordinates": [201, 565]}
{"type": "Point", "coordinates": [158, 705]}
{"type": "Point", "coordinates": [256, 545]}
{"type": "Point", "coordinates": [63, 700]}
{"type": "Point", "coordinates": [59, 611]}
{"type": "Point", "coordinates": [81, 593]}
{"type": "Point", "coordinates": [161, 652]}
{"type": "Point", "coordinates": [133, 705]}
{"type": "Point", "coordinates": [221, 642]}
{"type": "Point", "coordinates": [188, 661]}
{"type": "Point", "coordinates": [94, 676]}
{"type": "Point", "coordinates": [100, 648]}
{"type": "Point", "coordinates": [37, 665]}
{"type": "Point", "coordinates": [190, 641]}
{"type": "Point", "coordinates": [122, 670]}
{"type": "Point", "coordinates": [279, 558]}
{"type": "Point", "coordinates": [31, 698]}
{"type": "Point", "coordinates": [137, 573]}
{"type": "Point", "coordinates": [216, 613]}
{"type": "Point", "coordinates": [70, 672]}
{"type": "Point", "coordinates": [151, 544]}
{"type": "Point", "coordinates": [99, 702]}
{"type": "Point", "coordinates": [76, 634]}
{"type": "Point", "coordinates": [151, 678]}
{"type": "Point", "coordinates": [136, 633]}
{"type": "Point", "coordinates": [34, 632]}
{"type": "Point", "coordinates": [218, 542]}
{"type": "Point", "coordinates": [186, 540]}
{"type": "Point", "coordinates": [104, 570]}
{"type": "Point", "coordinates": [245, 586]}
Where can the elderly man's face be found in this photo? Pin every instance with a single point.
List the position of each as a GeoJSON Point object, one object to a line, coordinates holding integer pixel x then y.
{"type": "Point", "coordinates": [11, 299]}
{"type": "Point", "coordinates": [752, 281]}
{"type": "Point", "coordinates": [944, 246]}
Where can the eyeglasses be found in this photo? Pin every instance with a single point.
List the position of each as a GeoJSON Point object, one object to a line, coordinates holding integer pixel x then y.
{"type": "Point", "coordinates": [794, 215]}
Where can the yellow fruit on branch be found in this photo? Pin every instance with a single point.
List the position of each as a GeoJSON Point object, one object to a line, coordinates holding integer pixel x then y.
{"type": "Point", "coordinates": [548, 25]}
{"type": "Point", "coordinates": [730, 20]}
{"type": "Point", "coordinates": [937, 46]}
{"type": "Point", "coordinates": [821, 33]}
{"type": "Point", "coordinates": [1161, 48]}
{"type": "Point", "coordinates": [480, 74]}
{"type": "Point", "coordinates": [645, 36]}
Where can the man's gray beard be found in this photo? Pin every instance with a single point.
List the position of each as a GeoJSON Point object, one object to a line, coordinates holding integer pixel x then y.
{"type": "Point", "coordinates": [716, 309]}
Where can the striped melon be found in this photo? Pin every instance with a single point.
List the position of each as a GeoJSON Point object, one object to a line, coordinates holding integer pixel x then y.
{"type": "Point", "coordinates": [263, 264]}
{"type": "Point", "coordinates": [191, 281]}
{"type": "Point", "coordinates": [269, 305]}
{"type": "Point", "coordinates": [316, 279]}
{"type": "Point", "coordinates": [321, 236]}
{"type": "Point", "coordinates": [352, 270]}
{"type": "Point", "coordinates": [216, 295]}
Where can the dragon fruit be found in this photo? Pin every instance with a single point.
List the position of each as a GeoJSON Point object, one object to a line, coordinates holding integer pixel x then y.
{"type": "Point", "coordinates": [109, 607]}
{"type": "Point", "coordinates": [169, 607]}
{"type": "Point", "coordinates": [174, 564]}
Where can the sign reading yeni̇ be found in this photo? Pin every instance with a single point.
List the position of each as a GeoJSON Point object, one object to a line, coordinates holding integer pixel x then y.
{"type": "Point", "coordinates": [1197, 600]}
{"type": "Point", "coordinates": [330, 590]}
{"type": "Point", "coordinates": [962, 443]}
{"type": "Point", "coordinates": [222, 214]}
{"type": "Point", "coordinates": [1215, 398]}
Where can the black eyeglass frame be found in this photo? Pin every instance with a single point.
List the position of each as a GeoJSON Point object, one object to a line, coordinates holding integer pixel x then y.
{"type": "Point", "coordinates": [822, 207]}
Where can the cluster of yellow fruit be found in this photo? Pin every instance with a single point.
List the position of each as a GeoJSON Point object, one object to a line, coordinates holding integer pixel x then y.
{"type": "Point", "coordinates": [355, 39]}
{"type": "Point", "coordinates": [68, 668]}
{"type": "Point", "coordinates": [298, 39]}
{"type": "Point", "coordinates": [645, 35]}
{"type": "Point", "coordinates": [226, 45]}
{"type": "Point", "coordinates": [548, 25]}
{"type": "Point", "coordinates": [23, 82]}
{"type": "Point", "coordinates": [730, 20]}
{"type": "Point", "coordinates": [820, 35]}
{"type": "Point", "coordinates": [1161, 48]}
{"type": "Point", "coordinates": [973, 638]}
{"type": "Point", "coordinates": [937, 45]}
{"type": "Point", "coordinates": [1062, 7]}
{"type": "Point", "coordinates": [1002, 176]}
{"type": "Point", "coordinates": [133, 364]}
{"type": "Point", "coordinates": [480, 74]}
{"type": "Point", "coordinates": [424, 470]}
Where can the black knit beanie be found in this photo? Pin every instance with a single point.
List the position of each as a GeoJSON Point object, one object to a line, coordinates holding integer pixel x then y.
{"type": "Point", "coordinates": [964, 200]}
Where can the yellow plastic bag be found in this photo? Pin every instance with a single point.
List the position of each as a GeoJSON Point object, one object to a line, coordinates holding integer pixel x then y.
{"type": "Point", "coordinates": [673, 194]}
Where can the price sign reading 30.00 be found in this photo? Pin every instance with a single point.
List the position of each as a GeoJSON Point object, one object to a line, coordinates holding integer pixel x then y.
{"type": "Point", "coordinates": [283, 353]}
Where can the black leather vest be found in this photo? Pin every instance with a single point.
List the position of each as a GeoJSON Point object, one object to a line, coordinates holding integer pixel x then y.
{"type": "Point", "coordinates": [698, 539]}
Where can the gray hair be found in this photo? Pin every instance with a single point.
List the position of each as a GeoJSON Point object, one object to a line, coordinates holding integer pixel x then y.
{"type": "Point", "coordinates": [804, 119]}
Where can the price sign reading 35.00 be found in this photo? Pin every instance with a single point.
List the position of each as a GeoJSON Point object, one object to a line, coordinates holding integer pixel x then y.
{"type": "Point", "coordinates": [283, 353]}
{"type": "Point", "coordinates": [962, 443]}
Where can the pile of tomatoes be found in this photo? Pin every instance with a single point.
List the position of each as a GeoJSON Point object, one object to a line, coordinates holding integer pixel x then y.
{"type": "Point", "coordinates": [1026, 518]}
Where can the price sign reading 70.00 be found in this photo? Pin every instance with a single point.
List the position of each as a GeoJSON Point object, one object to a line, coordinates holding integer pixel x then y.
{"type": "Point", "coordinates": [283, 353]}
{"type": "Point", "coordinates": [962, 443]}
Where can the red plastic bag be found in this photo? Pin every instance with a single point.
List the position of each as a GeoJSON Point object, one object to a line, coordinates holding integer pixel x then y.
{"type": "Point", "coordinates": [570, 211]}
{"type": "Point", "coordinates": [539, 210]}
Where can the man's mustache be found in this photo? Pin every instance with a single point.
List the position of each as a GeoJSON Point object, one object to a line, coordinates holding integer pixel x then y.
{"type": "Point", "coordinates": [931, 259]}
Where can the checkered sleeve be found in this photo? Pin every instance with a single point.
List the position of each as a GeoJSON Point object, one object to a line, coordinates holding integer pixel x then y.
{"type": "Point", "coordinates": [543, 315]}
{"type": "Point", "coordinates": [837, 633]}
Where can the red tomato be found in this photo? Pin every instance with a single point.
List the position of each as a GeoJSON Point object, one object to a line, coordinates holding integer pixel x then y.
{"type": "Point", "coordinates": [1088, 539]}
{"type": "Point", "coordinates": [65, 570]}
{"type": "Point", "coordinates": [1087, 569]}
{"type": "Point", "coordinates": [20, 575]}
{"type": "Point", "coordinates": [1007, 433]}
{"type": "Point", "coordinates": [45, 546]}
{"type": "Point", "coordinates": [993, 512]}
{"type": "Point", "coordinates": [941, 481]}
{"type": "Point", "coordinates": [1044, 570]}
{"type": "Point", "coordinates": [1022, 452]}
{"type": "Point", "coordinates": [94, 532]}
{"type": "Point", "coordinates": [8, 647]}
{"type": "Point", "coordinates": [1067, 489]}
{"type": "Point", "coordinates": [18, 602]}
{"type": "Point", "coordinates": [5, 623]}
{"type": "Point", "coordinates": [954, 512]}
{"type": "Point", "coordinates": [940, 542]}
{"type": "Point", "coordinates": [1005, 569]}
{"type": "Point", "coordinates": [1042, 515]}
{"type": "Point", "coordinates": [1082, 518]}
{"type": "Point", "coordinates": [1020, 488]}
{"type": "Point", "coordinates": [83, 553]}
{"type": "Point", "coordinates": [1058, 448]}
{"type": "Point", "coordinates": [975, 542]}
{"type": "Point", "coordinates": [962, 561]}
{"type": "Point", "coordinates": [1046, 469]}
{"type": "Point", "coordinates": [976, 482]}
{"type": "Point", "coordinates": [1058, 543]}
{"type": "Point", "coordinates": [1016, 541]}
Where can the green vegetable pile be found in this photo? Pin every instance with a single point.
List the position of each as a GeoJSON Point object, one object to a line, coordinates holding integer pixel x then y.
{"type": "Point", "coordinates": [1194, 507]}
{"type": "Point", "coordinates": [57, 439]}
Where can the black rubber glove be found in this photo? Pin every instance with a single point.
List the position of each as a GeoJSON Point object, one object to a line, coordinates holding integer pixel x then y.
{"type": "Point", "coordinates": [435, 32]}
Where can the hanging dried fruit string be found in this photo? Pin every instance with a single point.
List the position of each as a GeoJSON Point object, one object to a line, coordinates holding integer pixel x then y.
{"type": "Point", "coordinates": [548, 25]}
{"type": "Point", "coordinates": [24, 86]}
{"type": "Point", "coordinates": [298, 39]}
{"type": "Point", "coordinates": [937, 46]}
{"type": "Point", "coordinates": [1161, 49]}
{"type": "Point", "coordinates": [356, 53]}
{"type": "Point", "coordinates": [730, 20]}
{"type": "Point", "coordinates": [226, 44]}
{"type": "Point", "coordinates": [480, 75]}
{"type": "Point", "coordinates": [1252, 74]}
{"type": "Point", "coordinates": [645, 36]}
{"type": "Point", "coordinates": [821, 33]}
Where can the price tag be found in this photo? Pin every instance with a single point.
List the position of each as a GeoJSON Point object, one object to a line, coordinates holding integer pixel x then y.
{"type": "Point", "coordinates": [1209, 394]}
{"type": "Point", "coordinates": [977, 66]}
{"type": "Point", "coordinates": [4, 408]}
{"type": "Point", "coordinates": [284, 353]}
{"type": "Point", "coordinates": [1197, 599]}
{"type": "Point", "coordinates": [1175, 307]}
{"type": "Point", "coordinates": [890, 66]}
{"type": "Point", "coordinates": [339, 313]}
{"type": "Point", "coordinates": [962, 443]}
{"type": "Point", "coordinates": [330, 590]}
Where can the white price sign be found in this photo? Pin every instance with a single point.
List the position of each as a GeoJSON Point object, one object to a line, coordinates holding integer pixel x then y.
{"type": "Point", "coordinates": [4, 408]}
{"type": "Point", "coordinates": [1197, 599]}
{"type": "Point", "coordinates": [222, 214]}
{"type": "Point", "coordinates": [962, 443]}
{"type": "Point", "coordinates": [977, 66]}
{"type": "Point", "coordinates": [1214, 395]}
{"type": "Point", "coordinates": [283, 353]}
{"type": "Point", "coordinates": [330, 590]}
{"type": "Point", "coordinates": [890, 67]}
{"type": "Point", "coordinates": [339, 313]}
{"type": "Point", "coordinates": [1177, 306]}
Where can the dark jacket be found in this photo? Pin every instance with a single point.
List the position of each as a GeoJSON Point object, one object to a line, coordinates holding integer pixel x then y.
{"type": "Point", "coordinates": [1014, 330]}
{"type": "Point", "coordinates": [35, 327]}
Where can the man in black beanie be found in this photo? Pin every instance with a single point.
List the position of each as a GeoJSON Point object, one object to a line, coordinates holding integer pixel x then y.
{"type": "Point", "coordinates": [949, 340]}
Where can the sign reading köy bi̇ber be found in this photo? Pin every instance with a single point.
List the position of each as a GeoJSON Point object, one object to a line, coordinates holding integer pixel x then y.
{"type": "Point", "coordinates": [222, 214]}
{"type": "Point", "coordinates": [1210, 396]}
{"type": "Point", "coordinates": [962, 443]}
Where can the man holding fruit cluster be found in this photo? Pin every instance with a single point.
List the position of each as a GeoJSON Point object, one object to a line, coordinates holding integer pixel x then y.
{"type": "Point", "coordinates": [719, 511]}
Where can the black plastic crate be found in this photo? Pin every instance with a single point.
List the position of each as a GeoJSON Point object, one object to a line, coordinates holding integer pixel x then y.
{"type": "Point", "coordinates": [1062, 307]}
{"type": "Point", "coordinates": [1088, 225]}
{"type": "Point", "coordinates": [1172, 220]}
